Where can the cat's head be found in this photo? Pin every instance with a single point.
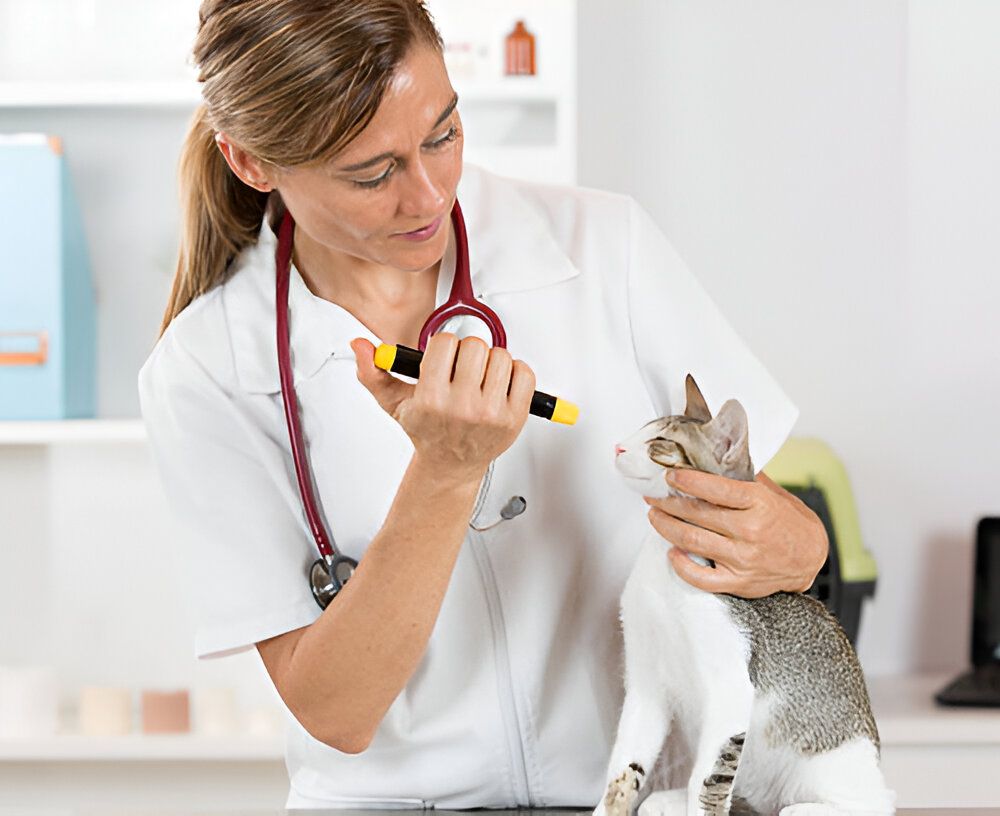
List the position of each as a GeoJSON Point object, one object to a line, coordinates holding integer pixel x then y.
{"type": "Point", "coordinates": [694, 439]}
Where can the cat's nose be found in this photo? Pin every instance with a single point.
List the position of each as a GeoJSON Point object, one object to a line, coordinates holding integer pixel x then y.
{"type": "Point", "coordinates": [619, 449]}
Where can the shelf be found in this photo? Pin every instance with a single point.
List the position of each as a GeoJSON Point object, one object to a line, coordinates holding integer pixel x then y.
{"type": "Point", "coordinates": [903, 705]}
{"type": "Point", "coordinates": [178, 94]}
{"type": "Point", "coordinates": [45, 432]}
{"type": "Point", "coordinates": [142, 747]}
{"type": "Point", "coordinates": [182, 94]}
{"type": "Point", "coordinates": [512, 88]}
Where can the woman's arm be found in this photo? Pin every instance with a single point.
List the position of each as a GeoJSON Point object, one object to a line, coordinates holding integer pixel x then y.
{"type": "Point", "coordinates": [340, 674]}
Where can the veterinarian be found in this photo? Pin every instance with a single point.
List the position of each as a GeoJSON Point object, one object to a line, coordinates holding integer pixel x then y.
{"type": "Point", "coordinates": [471, 660]}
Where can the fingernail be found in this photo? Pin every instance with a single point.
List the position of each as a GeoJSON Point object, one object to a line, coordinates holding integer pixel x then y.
{"type": "Point", "coordinates": [672, 477]}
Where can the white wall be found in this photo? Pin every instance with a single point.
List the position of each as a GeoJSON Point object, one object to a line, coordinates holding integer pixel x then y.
{"type": "Point", "coordinates": [828, 170]}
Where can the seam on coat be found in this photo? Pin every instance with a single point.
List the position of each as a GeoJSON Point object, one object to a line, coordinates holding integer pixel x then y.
{"type": "Point", "coordinates": [507, 759]}
{"type": "Point", "coordinates": [531, 742]}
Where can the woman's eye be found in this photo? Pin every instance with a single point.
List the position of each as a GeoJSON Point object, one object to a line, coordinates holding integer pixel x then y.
{"type": "Point", "coordinates": [376, 182]}
{"type": "Point", "coordinates": [370, 184]}
{"type": "Point", "coordinates": [448, 137]}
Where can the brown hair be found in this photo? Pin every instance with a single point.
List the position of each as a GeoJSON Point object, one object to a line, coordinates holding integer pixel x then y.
{"type": "Point", "coordinates": [290, 81]}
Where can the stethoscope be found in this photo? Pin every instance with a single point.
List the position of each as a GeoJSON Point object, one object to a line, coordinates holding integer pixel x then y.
{"type": "Point", "coordinates": [332, 569]}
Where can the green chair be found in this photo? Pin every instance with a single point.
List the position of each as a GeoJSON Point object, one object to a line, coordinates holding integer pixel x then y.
{"type": "Point", "coordinates": [808, 468]}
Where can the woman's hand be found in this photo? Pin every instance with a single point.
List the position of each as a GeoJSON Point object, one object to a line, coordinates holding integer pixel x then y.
{"type": "Point", "coordinates": [468, 406]}
{"type": "Point", "coordinates": [761, 537]}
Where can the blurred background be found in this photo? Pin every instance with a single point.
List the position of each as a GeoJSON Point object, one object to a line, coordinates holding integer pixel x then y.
{"type": "Point", "coordinates": [827, 168]}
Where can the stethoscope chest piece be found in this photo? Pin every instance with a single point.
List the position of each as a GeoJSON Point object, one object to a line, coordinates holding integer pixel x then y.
{"type": "Point", "coordinates": [328, 575]}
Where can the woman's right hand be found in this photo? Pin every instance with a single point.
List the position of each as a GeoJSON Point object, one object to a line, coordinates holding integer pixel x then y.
{"type": "Point", "coordinates": [467, 407]}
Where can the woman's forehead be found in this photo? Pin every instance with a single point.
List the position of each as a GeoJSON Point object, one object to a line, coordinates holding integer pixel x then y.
{"type": "Point", "coordinates": [418, 97]}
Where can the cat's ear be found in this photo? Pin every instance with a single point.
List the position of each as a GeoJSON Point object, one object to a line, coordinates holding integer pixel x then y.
{"type": "Point", "coordinates": [696, 407]}
{"type": "Point", "coordinates": [730, 434]}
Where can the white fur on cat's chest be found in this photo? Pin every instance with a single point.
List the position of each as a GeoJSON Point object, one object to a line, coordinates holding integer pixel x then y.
{"type": "Point", "coordinates": [690, 629]}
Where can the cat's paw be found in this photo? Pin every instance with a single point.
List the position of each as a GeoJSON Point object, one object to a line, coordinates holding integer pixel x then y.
{"type": "Point", "coordinates": [665, 803]}
{"type": "Point", "coordinates": [623, 791]}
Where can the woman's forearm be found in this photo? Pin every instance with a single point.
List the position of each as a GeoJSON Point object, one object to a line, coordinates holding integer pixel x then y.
{"type": "Point", "coordinates": [352, 662]}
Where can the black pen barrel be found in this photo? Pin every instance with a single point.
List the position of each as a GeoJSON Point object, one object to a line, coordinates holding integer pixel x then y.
{"type": "Point", "coordinates": [404, 360]}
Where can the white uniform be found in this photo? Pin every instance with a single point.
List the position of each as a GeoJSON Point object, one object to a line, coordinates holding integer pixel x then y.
{"type": "Point", "coordinates": [516, 700]}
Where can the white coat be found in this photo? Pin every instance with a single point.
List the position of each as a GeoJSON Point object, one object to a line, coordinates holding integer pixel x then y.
{"type": "Point", "coordinates": [516, 700]}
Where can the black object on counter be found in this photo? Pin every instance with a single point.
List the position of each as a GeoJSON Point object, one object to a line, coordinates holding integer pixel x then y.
{"type": "Point", "coordinates": [981, 685]}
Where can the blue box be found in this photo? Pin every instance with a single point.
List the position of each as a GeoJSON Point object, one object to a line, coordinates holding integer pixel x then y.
{"type": "Point", "coordinates": [48, 331]}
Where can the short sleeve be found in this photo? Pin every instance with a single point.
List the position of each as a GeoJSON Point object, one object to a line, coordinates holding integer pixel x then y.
{"type": "Point", "coordinates": [242, 554]}
{"type": "Point", "coordinates": [677, 329]}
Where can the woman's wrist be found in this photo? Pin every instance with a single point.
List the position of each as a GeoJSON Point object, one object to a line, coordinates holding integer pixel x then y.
{"type": "Point", "coordinates": [448, 477]}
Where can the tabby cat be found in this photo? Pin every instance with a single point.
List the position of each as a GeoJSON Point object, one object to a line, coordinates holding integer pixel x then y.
{"type": "Point", "coordinates": [766, 694]}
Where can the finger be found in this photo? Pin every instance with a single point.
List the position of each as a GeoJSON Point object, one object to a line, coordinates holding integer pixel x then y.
{"type": "Point", "coordinates": [522, 387]}
{"type": "Point", "coordinates": [438, 362]}
{"type": "Point", "coordinates": [694, 539]}
{"type": "Point", "coordinates": [717, 579]}
{"type": "Point", "coordinates": [470, 364]}
{"type": "Point", "coordinates": [388, 390]}
{"type": "Point", "coordinates": [721, 520]}
{"type": "Point", "coordinates": [499, 366]}
{"type": "Point", "coordinates": [712, 487]}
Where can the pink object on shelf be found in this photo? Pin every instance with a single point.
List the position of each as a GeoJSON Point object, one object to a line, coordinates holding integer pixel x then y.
{"type": "Point", "coordinates": [166, 712]}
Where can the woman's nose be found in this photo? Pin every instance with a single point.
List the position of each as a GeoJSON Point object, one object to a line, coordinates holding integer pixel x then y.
{"type": "Point", "coordinates": [421, 197]}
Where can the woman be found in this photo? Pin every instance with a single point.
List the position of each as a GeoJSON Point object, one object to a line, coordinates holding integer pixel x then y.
{"type": "Point", "coordinates": [468, 662]}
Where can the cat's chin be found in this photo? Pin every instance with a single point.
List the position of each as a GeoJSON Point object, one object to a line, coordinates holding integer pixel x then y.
{"type": "Point", "coordinates": [653, 486]}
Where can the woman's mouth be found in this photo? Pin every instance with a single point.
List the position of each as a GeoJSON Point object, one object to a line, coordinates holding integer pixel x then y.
{"type": "Point", "coordinates": [423, 233]}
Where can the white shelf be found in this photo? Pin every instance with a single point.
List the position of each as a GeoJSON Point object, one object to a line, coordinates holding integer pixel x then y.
{"type": "Point", "coordinates": [903, 705]}
{"type": "Point", "coordinates": [98, 94]}
{"type": "Point", "coordinates": [512, 88]}
{"type": "Point", "coordinates": [182, 94]}
{"type": "Point", "coordinates": [142, 747]}
{"type": "Point", "coordinates": [44, 432]}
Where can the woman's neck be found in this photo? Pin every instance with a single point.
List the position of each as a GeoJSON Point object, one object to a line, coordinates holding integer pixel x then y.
{"type": "Point", "coordinates": [345, 279]}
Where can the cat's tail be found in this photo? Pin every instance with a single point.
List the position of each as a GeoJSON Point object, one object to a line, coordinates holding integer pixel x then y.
{"type": "Point", "coordinates": [716, 788]}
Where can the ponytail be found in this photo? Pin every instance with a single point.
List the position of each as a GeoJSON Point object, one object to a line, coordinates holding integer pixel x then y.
{"type": "Point", "coordinates": [219, 216]}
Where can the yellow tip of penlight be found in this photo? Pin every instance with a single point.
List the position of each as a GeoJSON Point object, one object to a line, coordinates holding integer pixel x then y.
{"type": "Point", "coordinates": [385, 356]}
{"type": "Point", "coordinates": [565, 412]}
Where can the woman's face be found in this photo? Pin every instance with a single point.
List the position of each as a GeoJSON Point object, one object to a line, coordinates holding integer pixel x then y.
{"type": "Point", "coordinates": [398, 175]}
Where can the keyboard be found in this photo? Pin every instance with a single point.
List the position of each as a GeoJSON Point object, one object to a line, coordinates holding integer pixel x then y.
{"type": "Point", "coordinates": [979, 687]}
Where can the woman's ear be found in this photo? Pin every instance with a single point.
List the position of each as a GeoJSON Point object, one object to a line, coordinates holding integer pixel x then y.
{"type": "Point", "coordinates": [245, 166]}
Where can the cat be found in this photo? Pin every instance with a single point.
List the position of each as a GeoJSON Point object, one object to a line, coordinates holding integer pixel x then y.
{"type": "Point", "coordinates": [767, 693]}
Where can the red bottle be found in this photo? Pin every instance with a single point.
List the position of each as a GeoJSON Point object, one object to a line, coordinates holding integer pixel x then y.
{"type": "Point", "coordinates": [520, 51]}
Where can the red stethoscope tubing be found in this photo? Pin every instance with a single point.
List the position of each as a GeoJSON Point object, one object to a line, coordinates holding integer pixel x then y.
{"type": "Point", "coordinates": [461, 301]}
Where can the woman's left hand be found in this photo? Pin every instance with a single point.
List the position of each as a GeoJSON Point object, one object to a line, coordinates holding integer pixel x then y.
{"type": "Point", "coordinates": [761, 537]}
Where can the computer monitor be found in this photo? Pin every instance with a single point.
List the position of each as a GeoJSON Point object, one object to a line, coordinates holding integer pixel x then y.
{"type": "Point", "coordinates": [986, 594]}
